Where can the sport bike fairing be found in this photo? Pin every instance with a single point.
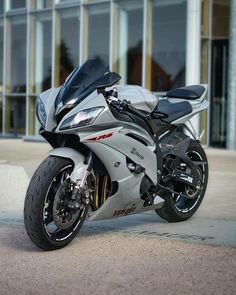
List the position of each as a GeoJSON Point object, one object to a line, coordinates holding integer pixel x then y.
{"type": "Point", "coordinates": [108, 137]}
{"type": "Point", "coordinates": [115, 149]}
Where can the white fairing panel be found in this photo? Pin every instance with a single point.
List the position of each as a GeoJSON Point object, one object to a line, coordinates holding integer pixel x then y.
{"type": "Point", "coordinates": [138, 96]}
{"type": "Point", "coordinates": [48, 98]}
{"type": "Point", "coordinates": [108, 150]}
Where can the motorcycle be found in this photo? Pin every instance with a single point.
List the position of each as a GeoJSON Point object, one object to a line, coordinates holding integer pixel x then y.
{"type": "Point", "coordinates": [117, 150]}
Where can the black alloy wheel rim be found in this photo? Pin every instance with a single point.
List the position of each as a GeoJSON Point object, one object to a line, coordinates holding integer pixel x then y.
{"type": "Point", "coordinates": [188, 198]}
{"type": "Point", "coordinates": [52, 230]}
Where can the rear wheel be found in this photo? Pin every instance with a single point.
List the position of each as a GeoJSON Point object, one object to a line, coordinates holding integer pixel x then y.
{"type": "Point", "coordinates": [181, 206]}
{"type": "Point", "coordinates": [52, 219]}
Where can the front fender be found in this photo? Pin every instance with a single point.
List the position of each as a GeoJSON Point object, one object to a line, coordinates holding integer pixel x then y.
{"type": "Point", "coordinates": [77, 158]}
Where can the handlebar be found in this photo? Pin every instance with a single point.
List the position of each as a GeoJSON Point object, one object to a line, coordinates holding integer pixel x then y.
{"type": "Point", "coordinates": [124, 105]}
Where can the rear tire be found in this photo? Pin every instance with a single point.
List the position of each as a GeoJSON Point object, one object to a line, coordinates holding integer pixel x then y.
{"type": "Point", "coordinates": [39, 205]}
{"type": "Point", "coordinates": [176, 209]}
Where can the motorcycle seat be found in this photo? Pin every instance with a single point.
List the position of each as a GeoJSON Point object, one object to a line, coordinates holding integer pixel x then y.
{"type": "Point", "coordinates": [173, 110]}
{"type": "Point", "coordinates": [189, 92]}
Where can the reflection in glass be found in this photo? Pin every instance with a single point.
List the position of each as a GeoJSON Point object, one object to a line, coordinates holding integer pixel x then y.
{"type": "Point", "coordinates": [0, 114]}
{"type": "Point", "coordinates": [41, 4]}
{"type": "Point", "coordinates": [130, 41]}
{"type": "Point", "coordinates": [64, 1]}
{"type": "Point", "coordinates": [17, 50]}
{"type": "Point", "coordinates": [1, 56]}
{"type": "Point", "coordinates": [67, 49]}
{"type": "Point", "coordinates": [15, 4]}
{"type": "Point", "coordinates": [219, 92]}
{"type": "Point", "coordinates": [15, 115]}
{"type": "Point", "coordinates": [205, 18]}
{"type": "Point", "coordinates": [98, 28]}
{"type": "Point", "coordinates": [168, 44]}
{"type": "Point", "coordinates": [204, 79]}
{"type": "Point", "coordinates": [42, 51]}
{"type": "Point", "coordinates": [204, 61]}
{"type": "Point", "coordinates": [220, 23]}
{"type": "Point", "coordinates": [1, 7]}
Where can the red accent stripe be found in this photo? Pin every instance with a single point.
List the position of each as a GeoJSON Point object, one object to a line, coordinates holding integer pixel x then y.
{"type": "Point", "coordinates": [103, 136]}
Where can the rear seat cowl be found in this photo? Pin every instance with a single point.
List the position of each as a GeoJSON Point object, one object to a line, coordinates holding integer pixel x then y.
{"type": "Point", "coordinates": [188, 92]}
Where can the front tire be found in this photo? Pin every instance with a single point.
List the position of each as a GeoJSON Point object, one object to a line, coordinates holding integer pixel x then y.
{"type": "Point", "coordinates": [42, 203]}
{"type": "Point", "coordinates": [181, 207]}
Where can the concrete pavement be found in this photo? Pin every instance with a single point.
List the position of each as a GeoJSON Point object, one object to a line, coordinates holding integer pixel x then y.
{"type": "Point", "coordinates": [106, 263]}
{"type": "Point", "coordinates": [135, 254]}
{"type": "Point", "coordinates": [218, 209]}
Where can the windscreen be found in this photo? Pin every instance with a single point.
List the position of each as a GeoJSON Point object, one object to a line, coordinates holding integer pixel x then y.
{"type": "Point", "coordinates": [84, 80]}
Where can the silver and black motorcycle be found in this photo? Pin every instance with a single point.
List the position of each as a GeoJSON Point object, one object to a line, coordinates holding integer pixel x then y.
{"type": "Point", "coordinates": [117, 150]}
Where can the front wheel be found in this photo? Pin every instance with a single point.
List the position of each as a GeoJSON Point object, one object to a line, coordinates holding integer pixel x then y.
{"type": "Point", "coordinates": [51, 219]}
{"type": "Point", "coordinates": [181, 206]}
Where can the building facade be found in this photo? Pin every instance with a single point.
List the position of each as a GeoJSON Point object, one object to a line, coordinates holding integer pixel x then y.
{"type": "Point", "coordinates": [159, 44]}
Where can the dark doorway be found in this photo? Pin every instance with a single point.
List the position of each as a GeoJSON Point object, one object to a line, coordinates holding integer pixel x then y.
{"type": "Point", "coordinates": [219, 69]}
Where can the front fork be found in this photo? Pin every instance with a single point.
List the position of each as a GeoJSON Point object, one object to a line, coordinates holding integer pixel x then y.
{"type": "Point", "coordinates": [80, 191]}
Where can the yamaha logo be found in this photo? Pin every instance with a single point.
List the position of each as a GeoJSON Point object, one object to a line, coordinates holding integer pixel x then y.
{"type": "Point", "coordinates": [136, 153]}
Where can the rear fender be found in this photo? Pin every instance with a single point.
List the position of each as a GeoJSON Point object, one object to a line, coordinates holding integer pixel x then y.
{"type": "Point", "coordinates": [78, 159]}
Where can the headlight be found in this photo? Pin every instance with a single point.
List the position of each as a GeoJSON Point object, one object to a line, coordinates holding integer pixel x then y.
{"type": "Point", "coordinates": [40, 112]}
{"type": "Point", "coordinates": [82, 118]}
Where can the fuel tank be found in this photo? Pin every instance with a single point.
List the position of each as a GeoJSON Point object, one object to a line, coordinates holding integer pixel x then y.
{"type": "Point", "coordinates": [139, 97]}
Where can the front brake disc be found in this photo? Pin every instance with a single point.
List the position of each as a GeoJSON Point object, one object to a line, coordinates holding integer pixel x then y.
{"type": "Point", "coordinates": [63, 216]}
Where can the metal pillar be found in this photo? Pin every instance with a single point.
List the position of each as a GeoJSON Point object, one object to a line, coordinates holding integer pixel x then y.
{"type": "Point", "coordinates": [193, 49]}
{"type": "Point", "coordinates": [231, 104]}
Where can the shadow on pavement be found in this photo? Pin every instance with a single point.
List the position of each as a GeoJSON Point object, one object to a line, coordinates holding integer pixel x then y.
{"type": "Point", "coordinates": [13, 234]}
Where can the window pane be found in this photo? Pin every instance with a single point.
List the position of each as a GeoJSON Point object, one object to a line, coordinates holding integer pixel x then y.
{"type": "Point", "coordinates": [15, 115]}
{"type": "Point", "coordinates": [42, 52]}
{"type": "Point", "coordinates": [1, 7]}
{"type": "Point", "coordinates": [204, 79]}
{"type": "Point", "coordinates": [1, 55]}
{"type": "Point", "coordinates": [65, 1]}
{"type": "Point", "coordinates": [67, 50]}
{"type": "Point", "coordinates": [41, 4]}
{"type": "Point", "coordinates": [98, 26]}
{"type": "Point", "coordinates": [205, 18]}
{"type": "Point", "coordinates": [15, 4]}
{"type": "Point", "coordinates": [130, 41]}
{"type": "Point", "coordinates": [0, 114]}
{"type": "Point", "coordinates": [16, 81]}
{"type": "Point", "coordinates": [168, 44]}
{"type": "Point", "coordinates": [220, 26]}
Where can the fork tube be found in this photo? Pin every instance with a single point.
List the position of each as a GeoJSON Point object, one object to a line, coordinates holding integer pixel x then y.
{"type": "Point", "coordinates": [89, 162]}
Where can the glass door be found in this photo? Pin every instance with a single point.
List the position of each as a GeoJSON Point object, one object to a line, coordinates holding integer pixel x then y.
{"type": "Point", "coordinates": [219, 92]}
